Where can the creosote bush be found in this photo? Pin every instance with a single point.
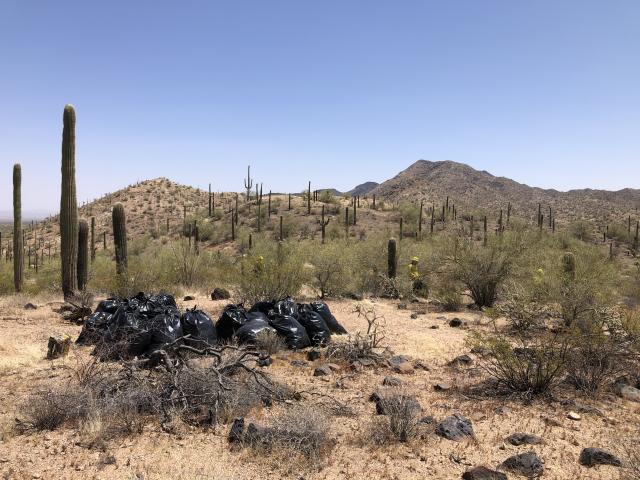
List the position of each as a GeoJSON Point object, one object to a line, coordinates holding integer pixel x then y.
{"type": "Point", "coordinates": [531, 366]}
{"type": "Point", "coordinates": [400, 421]}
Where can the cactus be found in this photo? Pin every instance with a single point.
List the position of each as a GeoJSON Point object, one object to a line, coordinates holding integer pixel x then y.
{"type": "Point", "coordinates": [248, 183]}
{"type": "Point", "coordinates": [346, 221]}
{"type": "Point", "coordinates": [83, 239]}
{"type": "Point", "coordinates": [281, 230]}
{"type": "Point", "coordinates": [569, 265]}
{"type": "Point", "coordinates": [401, 224]}
{"type": "Point", "coordinates": [355, 210]}
{"type": "Point", "coordinates": [210, 212]}
{"type": "Point", "coordinates": [233, 224]}
{"type": "Point", "coordinates": [433, 220]}
{"type": "Point", "coordinates": [269, 206]}
{"type": "Point", "coordinates": [420, 219]}
{"type": "Point", "coordinates": [93, 239]}
{"type": "Point", "coordinates": [309, 199]}
{"type": "Point", "coordinates": [484, 228]}
{"type": "Point", "coordinates": [374, 201]}
{"type": "Point", "coordinates": [323, 224]}
{"type": "Point", "coordinates": [69, 205]}
{"type": "Point", "coordinates": [289, 202]}
{"type": "Point", "coordinates": [392, 259]}
{"type": "Point", "coordinates": [18, 252]}
{"type": "Point", "coordinates": [120, 237]}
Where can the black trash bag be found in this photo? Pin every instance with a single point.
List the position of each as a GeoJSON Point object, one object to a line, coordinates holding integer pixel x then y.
{"type": "Point", "coordinates": [264, 307]}
{"type": "Point", "coordinates": [199, 326]}
{"type": "Point", "coordinates": [287, 307]}
{"type": "Point", "coordinates": [129, 328]}
{"type": "Point", "coordinates": [110, 305]}
{"type": "Point", "coordinates": [323, 309]}
{"type": "Point", "coordinates": [318, 332]}
{"type": "Point", "coordinates": [164, 328]}
{"type": "Point", "coordinates": [164, 300]}
{"type": "Point", "coordinates": [94, 328]}
{"type": "Point", "coordinates": [295, 335]}
{"type": "Point", "coordinates": [248, 333]}
{"type": "Point", "coordinates": [232, 318]}
{"type": "Point", "coordinates": [257, 316]}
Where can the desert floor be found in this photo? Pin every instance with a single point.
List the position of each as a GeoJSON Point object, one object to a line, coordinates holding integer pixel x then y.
{"type": "Point", "coordinates": [205, 454]}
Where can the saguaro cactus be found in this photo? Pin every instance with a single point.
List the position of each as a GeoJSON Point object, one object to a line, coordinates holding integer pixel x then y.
{"type": "Point", "coordinates": [392, 259]}
{"type": "Point", "coordinates": [83, 239]}
{"type": "Point", "coordinates": [69, 205]}
{"type": "Point", "coordinates": [18, 251]}
{"type": "Point", "coordinates": [120, 237]}
{"type": "Point", "coordinates": [93, 238]}
{"type": "Point", "coordinates": [569, 265]}
{"type": "Point", "coordinates": [323, 224]}
{"type": "Point", "coordinates": [248, 183]}
{"type": "Point", "coordinates": [309, 199]}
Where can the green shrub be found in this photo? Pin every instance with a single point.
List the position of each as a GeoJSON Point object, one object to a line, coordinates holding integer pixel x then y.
{"type": "Point", "coordinates": [271, 271]}
{"type": "Point", "coordinates": [531, 367]}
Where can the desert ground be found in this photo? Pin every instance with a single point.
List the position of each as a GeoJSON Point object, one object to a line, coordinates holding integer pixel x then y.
{"type": "Point", "coordinates": [197, 453]}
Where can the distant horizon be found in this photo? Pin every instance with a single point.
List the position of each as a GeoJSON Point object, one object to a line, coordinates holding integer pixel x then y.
{"type": "Point", "coordinates": [39, 214]}
{"type": "Point", "coordinates": [544, 93]}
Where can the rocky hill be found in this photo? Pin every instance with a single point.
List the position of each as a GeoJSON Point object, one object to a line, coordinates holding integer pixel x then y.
{"type": "Point", "coordinates": [481, 191]}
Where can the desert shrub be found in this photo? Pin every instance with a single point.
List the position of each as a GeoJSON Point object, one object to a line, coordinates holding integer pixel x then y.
{"type": "Point", "coordinates": [582, 289]}
{"type": "Point", "coordinates": [360, 346]}
{"type": "Point", "coordinates": [595, 359]}
{"type": "Point", "coordinates": [521, 308]}
{"type": "Point", "coordinates": [330, 273]}
{"type": "Point", "coordinates": [49, 409]}
{"type": "Point", "coordinates": [272, 271]}
{"type": "Point", "coordinates": [532, 367]}
{"type": "Point", "coordinates": [301, 429]}
{"type": "Point", "coordinates": [410, 214]}
{"type": "Point", "coordinates": [269, 342]}
{"type": "Point", "coordinates": [327, 197]}
{"type": "Point", "coordinates": [400, 420]}
{"type": "Point", "coordinates": [581, 230]}
{"type": "Point", "coordinates": [482, 269]}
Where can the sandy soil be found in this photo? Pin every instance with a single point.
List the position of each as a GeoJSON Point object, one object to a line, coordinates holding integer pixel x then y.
{"type": "Point", "coordinates": [198, 454]}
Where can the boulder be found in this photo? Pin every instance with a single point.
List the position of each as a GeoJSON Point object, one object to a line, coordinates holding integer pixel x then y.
{"type": "Point", "coordinates": [237, 430]}
{"type": "Point", "coordinates": [313, 354]}
{"type": "Point", "coordinates": [628, 392]}
{"type": "Point", "coordinates": [220, 294]}
{"type": "Point", "coordinates": [391, 382]}
{"type": "Point", "coordinates": [526, 464]}
{"type": "Point", "coordinates": [483, 473]}
{"type": "Point", "coordinates": [455, 427]}
{"type": "Point", "coordinates": [322, 371]}
{"type": "Point", "coordinates": [590, 457]}
{"type": "Point", "coordinates": [520, 438]}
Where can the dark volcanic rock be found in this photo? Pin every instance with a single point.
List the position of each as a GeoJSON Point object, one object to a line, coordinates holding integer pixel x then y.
{"type": "Point", "coordinates": [455, 427]}
{"type": "Point", "coordinates": [520, 438]}
{"type": "Point", "coordinates": [591, 456]}
{"type": "Point", "coordinates": [527, 464]}
{"type": "Point", "coordinates": [483, 473]}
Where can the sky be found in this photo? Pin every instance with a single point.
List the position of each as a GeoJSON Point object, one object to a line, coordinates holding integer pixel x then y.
{"type": "Point", "coordinates": [338, 92]}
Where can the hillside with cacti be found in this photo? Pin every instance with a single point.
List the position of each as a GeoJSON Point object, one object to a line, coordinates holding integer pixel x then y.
{"type": "Point", "coordinates": [482, 191]}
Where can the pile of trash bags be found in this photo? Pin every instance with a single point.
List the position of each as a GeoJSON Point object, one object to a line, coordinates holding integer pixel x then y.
{"type": "Point", "coordinates": [144, 323]}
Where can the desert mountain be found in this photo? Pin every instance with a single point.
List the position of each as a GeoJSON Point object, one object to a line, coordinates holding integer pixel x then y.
{"type": "Point", "coordinates": [480, 191]}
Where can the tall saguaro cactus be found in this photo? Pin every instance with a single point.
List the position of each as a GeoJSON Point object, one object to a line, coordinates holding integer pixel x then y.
{"type": "Point", "coordinates": [93, 238]}
{"type": "Point", "coordinates": [392, 259]}
{"type": "Point", "coordinates": [18, 251]}
{"type": "Point", "coordinates": [68, 205]}
{"type": "Point", "coordinates": [248, 183]}
{"type": "Point", "coordinates": [120, 237]}
{"type": "Point", "coordinates": [83, 254]}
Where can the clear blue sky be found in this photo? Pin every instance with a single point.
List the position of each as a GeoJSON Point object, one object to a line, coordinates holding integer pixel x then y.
{"type": "Point", "coordinates": [339, 92]}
